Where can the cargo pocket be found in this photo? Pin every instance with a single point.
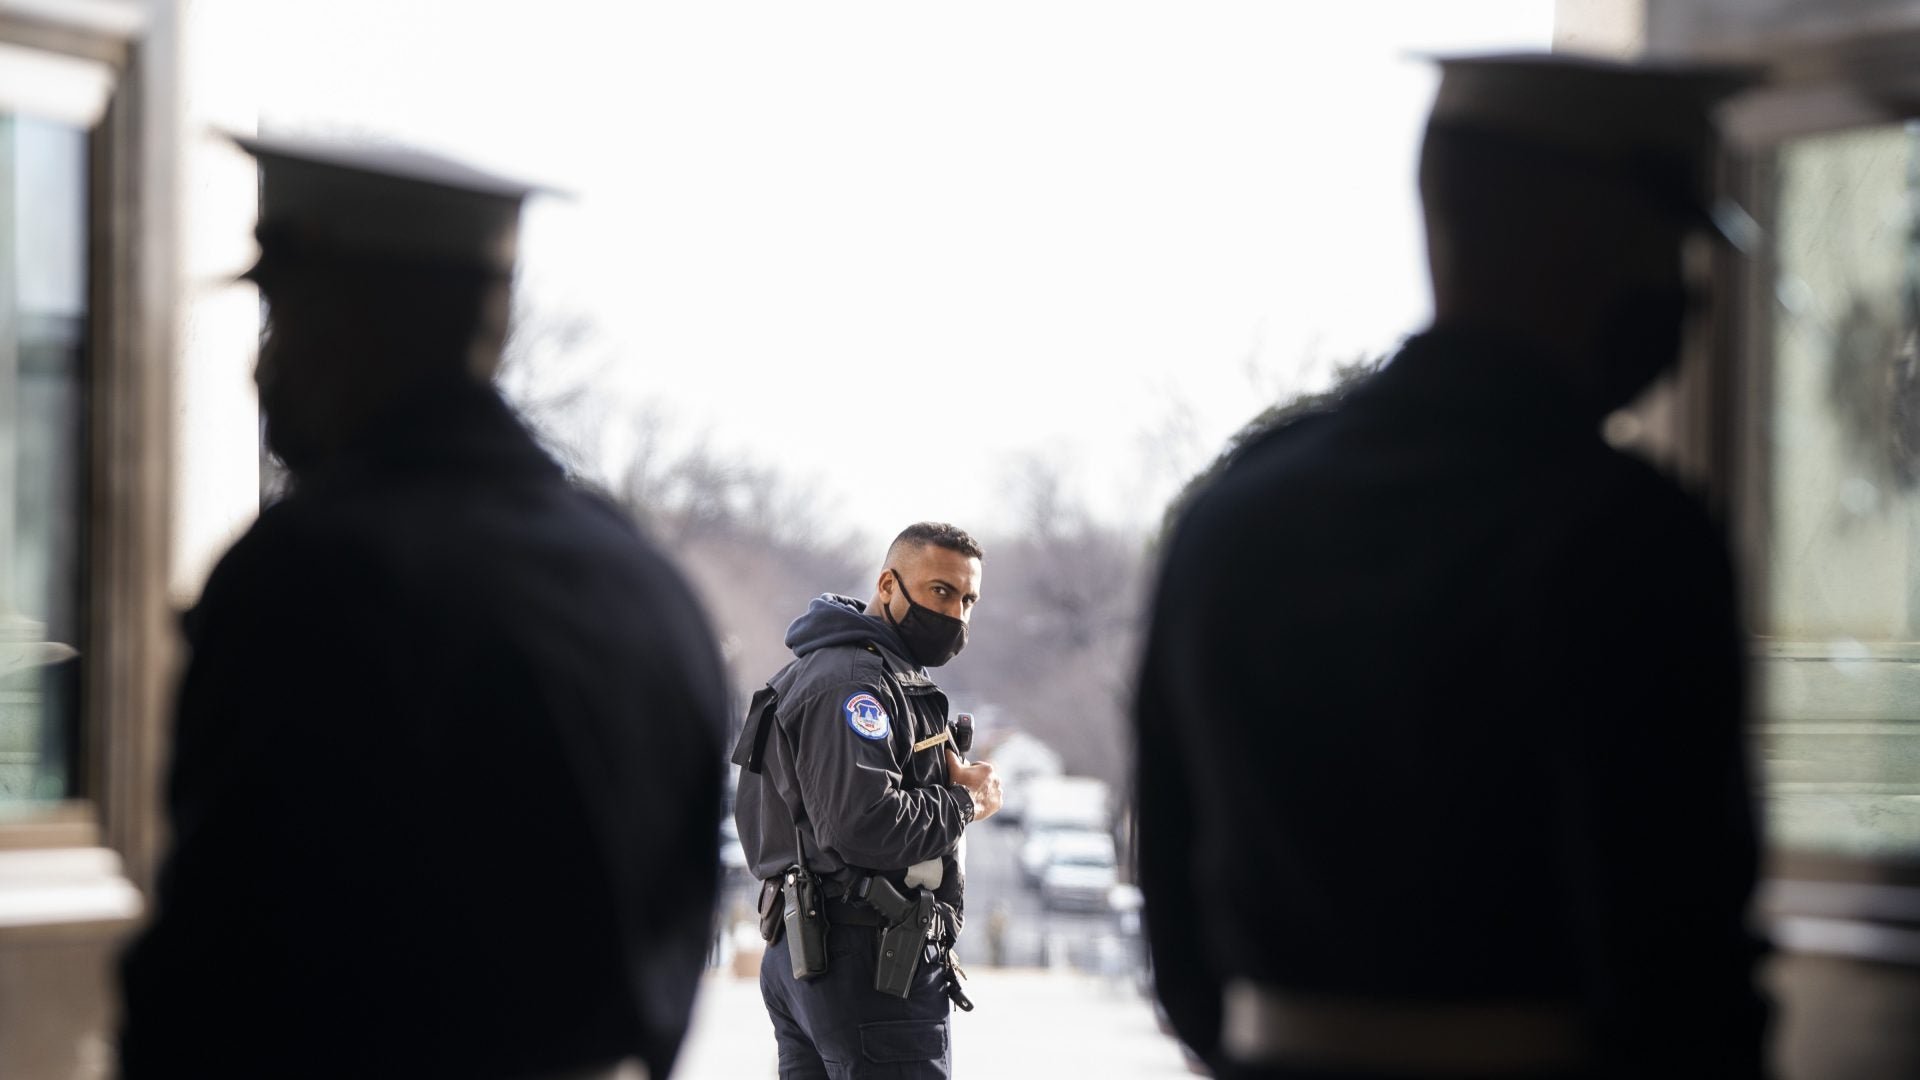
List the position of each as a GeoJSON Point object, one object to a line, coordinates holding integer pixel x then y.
{"type": "Point", "coordinates": [899, 1041]}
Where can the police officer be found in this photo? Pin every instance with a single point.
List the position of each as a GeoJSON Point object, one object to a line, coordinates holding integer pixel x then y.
{"type": "Point", "coordinates": [1439, 729]}
{"type": "Point", "coordinates": [450, 744]}
{"type": "Point", "coordinates": [852, 800]}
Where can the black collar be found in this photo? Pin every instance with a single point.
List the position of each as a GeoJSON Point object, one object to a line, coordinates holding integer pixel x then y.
{"type": "Point", "coordinates": [450, 427]}
{"type": "Point", "coordinates": [1453, 378]}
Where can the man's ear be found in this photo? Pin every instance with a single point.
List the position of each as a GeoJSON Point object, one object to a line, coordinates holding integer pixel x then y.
{"type": "Point", "coordinates": [884, 587]}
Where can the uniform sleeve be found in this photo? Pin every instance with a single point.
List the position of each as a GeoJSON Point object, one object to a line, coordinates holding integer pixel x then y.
{"type": "Point", "coordinates": [211, 813]}
{"type": "Point", "coordinates": [1657, 778]}
{"type": "Point", "coordinates": [851, 757]}
{"type": "Point", "coordinates": [190, 1001]}
{"type": "Point", "coordinates": [1187, 987]}
{"type": "Point", "coordinates": [679, 921]}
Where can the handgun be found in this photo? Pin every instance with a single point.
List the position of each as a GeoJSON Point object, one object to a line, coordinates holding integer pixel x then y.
{"type": "Point", "coordinates": [904, 939]}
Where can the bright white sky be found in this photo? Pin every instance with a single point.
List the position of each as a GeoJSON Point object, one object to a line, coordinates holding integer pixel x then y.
{"type": "Point", "coordinates": [898, 248]}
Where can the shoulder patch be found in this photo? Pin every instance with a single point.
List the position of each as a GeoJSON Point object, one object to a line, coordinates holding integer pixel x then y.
{"type": "Point", "coordinates": [865, 716]}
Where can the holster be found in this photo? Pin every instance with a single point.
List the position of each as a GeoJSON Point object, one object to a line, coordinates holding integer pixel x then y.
{"type": "Point", "coordinates": [903, 941]}
{"type": "Point", "coordinates": [805, 921]}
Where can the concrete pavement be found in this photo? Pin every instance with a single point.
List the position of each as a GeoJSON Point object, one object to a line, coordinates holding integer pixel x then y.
{"type": "Point", "coordinates": [1027, 1023]}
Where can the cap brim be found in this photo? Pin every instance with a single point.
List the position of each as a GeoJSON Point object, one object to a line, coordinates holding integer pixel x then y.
{"type": "Point", "coordinates": [390, 162]}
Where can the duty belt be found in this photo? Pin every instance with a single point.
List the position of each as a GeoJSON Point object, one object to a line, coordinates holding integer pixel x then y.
{"type": "Point", "coordinates": [851, 913]}
{"type": "Point", "coordinates": [1264, 1025]}
{"type": "Point", "coordinates": [841, 907]}
{"type": "Point", "coordinates": [873, 900]}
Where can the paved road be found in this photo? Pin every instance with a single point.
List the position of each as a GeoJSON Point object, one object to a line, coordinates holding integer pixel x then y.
{"type": "Point", "coordinates": [1032, 936]}
{"type": "Point", "coordinates": [1026, 1023]}
{"type": "Point", "coordinates": [1064, 1000]}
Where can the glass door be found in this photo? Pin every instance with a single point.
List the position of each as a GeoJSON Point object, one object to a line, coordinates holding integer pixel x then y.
{"type": "Point", "coordinates": [43, 408]}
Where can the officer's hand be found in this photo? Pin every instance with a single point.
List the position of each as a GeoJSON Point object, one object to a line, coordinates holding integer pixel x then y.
{"type": "Point", "coordinates": [979, 780]}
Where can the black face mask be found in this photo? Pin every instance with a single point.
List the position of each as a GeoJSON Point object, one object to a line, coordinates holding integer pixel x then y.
{"type": "Point", "coordinates": [931, 638]}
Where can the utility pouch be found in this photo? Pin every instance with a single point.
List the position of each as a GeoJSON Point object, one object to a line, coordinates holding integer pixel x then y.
{"type": "Point", "coordinates": [805, 919]}
{"type": "Point", "coordinates": [771, 908]}
{"type": "Point", "coordinates": [903, 941]}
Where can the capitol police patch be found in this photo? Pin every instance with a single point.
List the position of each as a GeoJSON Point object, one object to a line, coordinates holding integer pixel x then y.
{"type": "Point", "coordinates": [865, 716]}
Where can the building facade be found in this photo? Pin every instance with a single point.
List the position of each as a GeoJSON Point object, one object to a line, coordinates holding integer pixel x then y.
{"type": "Point", "coordinates": [87, 314]}
{"type": "Point", "coordinates": [1800, 420]}
{"type": "Point", "coordinates": [128, 438]}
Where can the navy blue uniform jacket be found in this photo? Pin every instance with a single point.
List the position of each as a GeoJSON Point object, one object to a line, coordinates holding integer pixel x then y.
{"type": "Point", "coordinates": [849, 711]}
{"type": "Point", "coordinates": [1442, 699]}
{"type": "Point", "coordinates": [447, 779]}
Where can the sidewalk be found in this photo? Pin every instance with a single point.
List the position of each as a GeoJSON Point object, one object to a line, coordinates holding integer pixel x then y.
{"type": "Point", "coordinates": [1027, 1023]}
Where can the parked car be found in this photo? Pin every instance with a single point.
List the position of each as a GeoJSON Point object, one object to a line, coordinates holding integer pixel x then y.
{"type": "Point", "coordinates": [1081, 872]}
{"type": "Point", "coordinates": [1067, 802]}
{"type": "Point", "coordinates": [1023, 763]}
{"type": "Point", "coordinates": [1036, 854]}
{"type": "Point", "coordinates": [1059, 805]}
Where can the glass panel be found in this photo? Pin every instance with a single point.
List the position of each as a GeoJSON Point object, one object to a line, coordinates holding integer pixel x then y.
{"type": "Point", "coordinates": [1840, 665]}
{"type": "Point", "coordinates": [43, 309]}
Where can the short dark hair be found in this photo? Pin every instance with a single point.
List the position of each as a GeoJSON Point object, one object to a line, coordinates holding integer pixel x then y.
{"type": "Point", "coordinates": [937, 534]}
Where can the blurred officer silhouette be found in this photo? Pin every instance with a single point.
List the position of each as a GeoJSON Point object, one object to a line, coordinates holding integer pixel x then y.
{"type": "Point", "coordinates": [449, 746]}
{"type": "Point", "coordinates": [1440, 765]}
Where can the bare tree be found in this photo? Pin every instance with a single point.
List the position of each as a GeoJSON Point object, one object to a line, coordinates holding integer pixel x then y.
{"type": "Point", "coordinates": [1053, 647]}
{"type": "Point", "coordinates": [1346, 378]}
{"type": "Point", "coordinates": [550, 368]}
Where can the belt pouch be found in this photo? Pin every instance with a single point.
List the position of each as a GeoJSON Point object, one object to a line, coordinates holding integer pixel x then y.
{"type": "Point", "coordinates": [771, 908]}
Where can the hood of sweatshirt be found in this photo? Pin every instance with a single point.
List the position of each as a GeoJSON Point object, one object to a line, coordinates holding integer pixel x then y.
{"type": "Point", "coordinates": [831, 619]}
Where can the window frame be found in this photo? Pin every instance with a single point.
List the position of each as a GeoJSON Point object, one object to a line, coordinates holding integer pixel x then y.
{"type": "Point", "coordinates": [128, 635]}
{"type": "Point", "coordinates": [1825, 84]}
